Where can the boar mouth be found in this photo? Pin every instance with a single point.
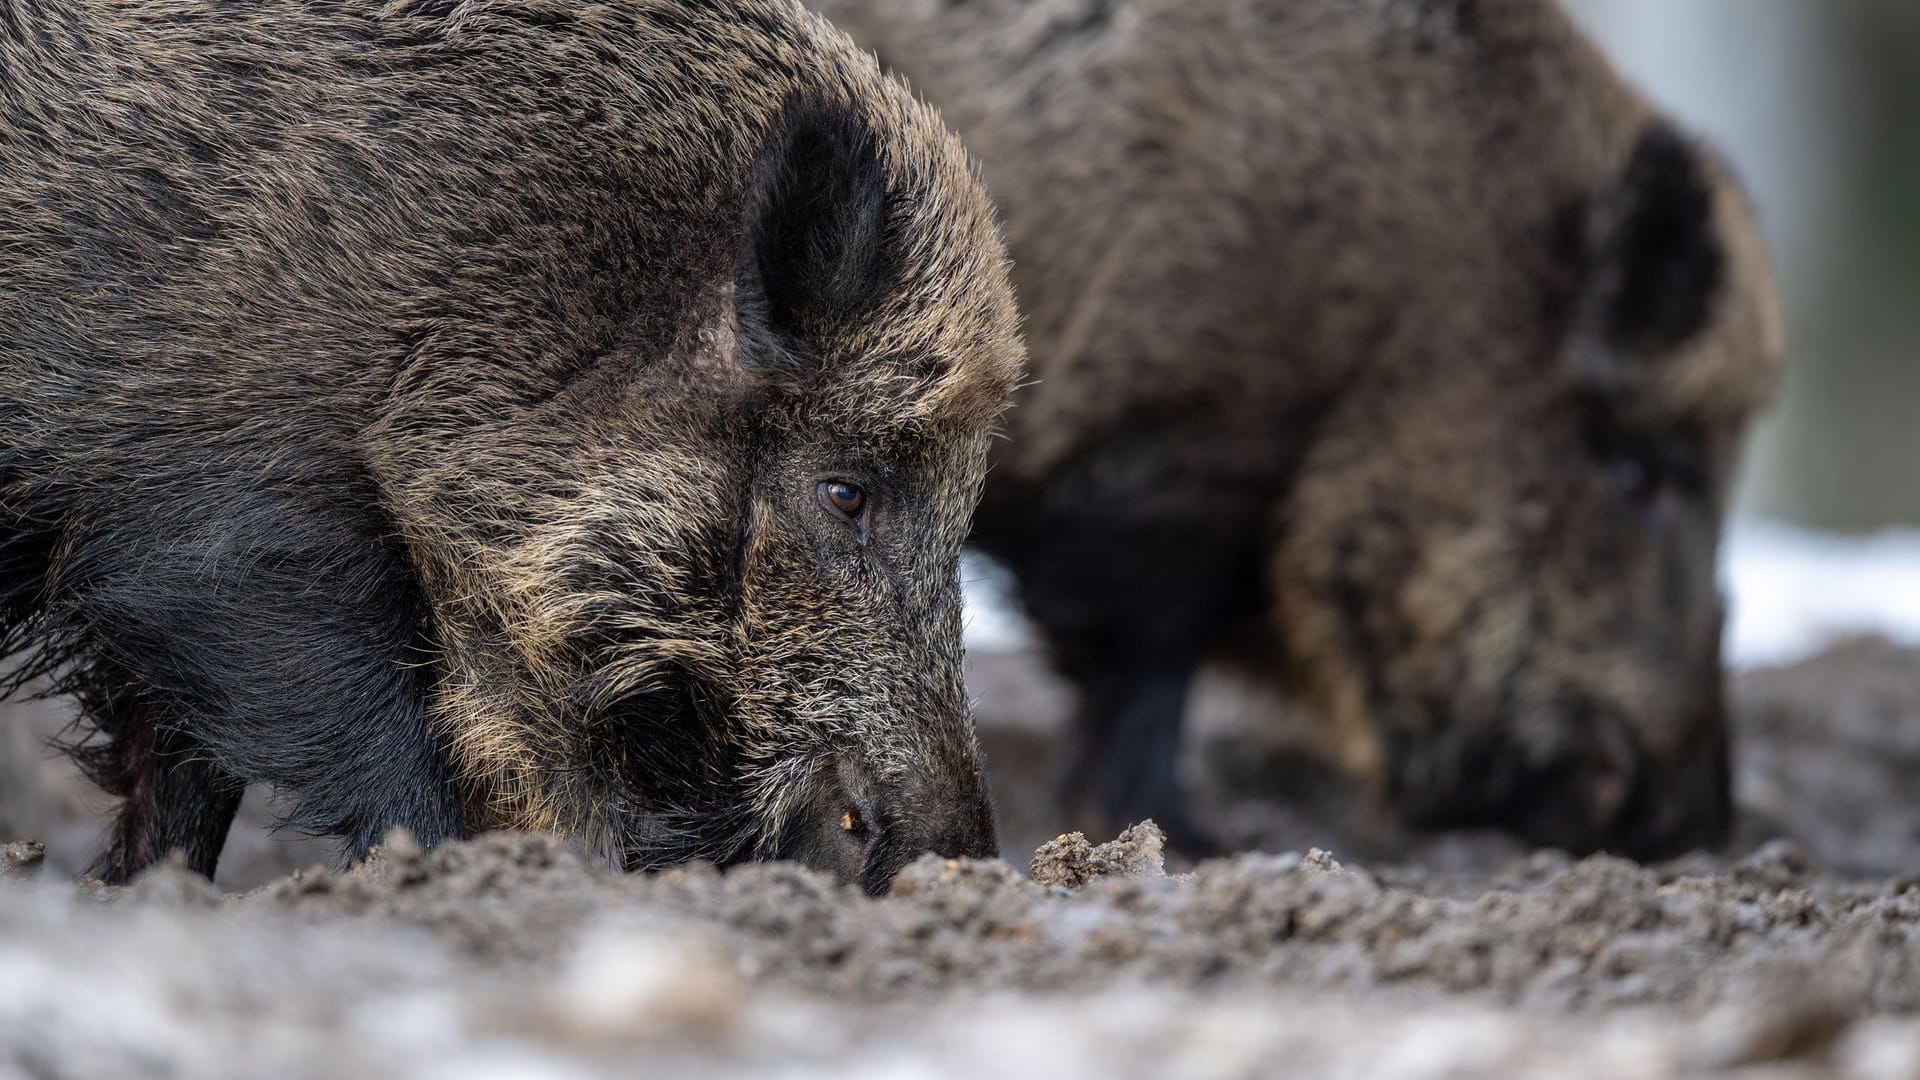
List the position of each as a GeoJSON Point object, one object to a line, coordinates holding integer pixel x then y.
{"type": "Point", "coordinates": [672, 791]}
{"type": "Point", "coordinates": [661, 840]}
{"type": "Point", "coordinates": [1603, 792]}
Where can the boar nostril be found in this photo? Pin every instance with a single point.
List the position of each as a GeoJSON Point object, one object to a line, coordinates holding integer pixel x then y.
{"type": "Point", "coordinates": [852, 822]}
{"type": "Point", "coordinates": [1609, 793]}
{"type": "Point", "coordinates": [1614, 769]}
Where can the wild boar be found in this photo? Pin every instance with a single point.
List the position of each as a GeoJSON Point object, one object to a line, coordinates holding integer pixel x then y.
{"type": "Point", "coordinates": [1393, 350]}
{"type": "Point", "coordinates": [498, 413]}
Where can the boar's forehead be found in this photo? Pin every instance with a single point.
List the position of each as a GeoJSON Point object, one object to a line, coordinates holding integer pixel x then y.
{"type": "Point", "coordinates": [932, 393]}
{"type": "Point", "coordinates": [887, 424]}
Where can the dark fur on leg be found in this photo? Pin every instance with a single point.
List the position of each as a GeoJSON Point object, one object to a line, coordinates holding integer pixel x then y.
{"type": "Point", "coordinates": [1131, 653]}
{"type": "Point", "coordinates": [1129, 759]}
{"type": "Point", "coordinates": [325, 701]}
{"type": "Point", "coordinates": [174, 798]}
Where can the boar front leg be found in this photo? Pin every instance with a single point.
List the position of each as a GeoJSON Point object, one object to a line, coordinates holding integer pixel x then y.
{"type": "Point", "coordinates": [174, 797]}
{"type": "Point", "coordinates": [1130, 725]}
{"type": "Point", "coordinates": [278, 637]}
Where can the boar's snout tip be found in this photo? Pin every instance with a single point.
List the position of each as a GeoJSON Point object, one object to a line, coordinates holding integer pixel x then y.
{"type": "Point", "coordinates": [1625, 800]}
{"type": "Point", "coordinates": [864, 829]}
{"type": "Point", "coordinates": [955, 825]}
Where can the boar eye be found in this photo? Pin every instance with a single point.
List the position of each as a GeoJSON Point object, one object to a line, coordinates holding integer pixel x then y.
{"type": "Point", "coordinates": [1637, 478]}
{"type": "Point", "coordinates": [843, 498]}
{"type": "Point", "coordinates": [1643, 477]}
{"type": "Point", "coordinates": [1645, 466]}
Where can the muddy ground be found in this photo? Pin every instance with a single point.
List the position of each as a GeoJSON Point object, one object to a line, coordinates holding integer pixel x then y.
{"type": "Point", "coordinates": [1795, 954]}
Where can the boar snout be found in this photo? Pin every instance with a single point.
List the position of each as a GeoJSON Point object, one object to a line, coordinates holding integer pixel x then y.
{"type": "Point", "coordinates": [864, 827]}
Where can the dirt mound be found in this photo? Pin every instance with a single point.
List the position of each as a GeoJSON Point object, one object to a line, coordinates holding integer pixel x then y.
{"type": "Point", "coordinates": [511, 955]}
{"type": "Point", "coordinates": [1547, 933]}
{"type": "Point", "coordinates": [1407, 955]}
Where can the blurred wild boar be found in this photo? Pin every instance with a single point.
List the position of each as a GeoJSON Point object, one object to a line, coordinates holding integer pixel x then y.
{"type": "Point", "coordinates": [1392, 350]}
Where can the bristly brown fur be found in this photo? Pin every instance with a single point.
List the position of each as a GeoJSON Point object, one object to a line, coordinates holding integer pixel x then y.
{"type": "Point", "coordinates": [420, 406]}
{"type": "Point", "coordinates": [1392, 348]}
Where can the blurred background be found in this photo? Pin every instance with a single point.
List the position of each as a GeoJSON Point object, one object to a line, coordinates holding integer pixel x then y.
{"type": "Point", "coordinates": [1817, 102]}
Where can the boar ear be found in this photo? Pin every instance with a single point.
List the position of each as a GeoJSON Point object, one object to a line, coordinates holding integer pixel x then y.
{"type": "Point", "coordinates": [1652, 264]}
{"type": "Point", "coordinates": [818, 247]}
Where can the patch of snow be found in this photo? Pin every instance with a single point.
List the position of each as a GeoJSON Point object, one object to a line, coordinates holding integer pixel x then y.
{"type": "Point", "coordinates": [1791, 592]}
{"type": "Point", "coordinates": [993, 619]}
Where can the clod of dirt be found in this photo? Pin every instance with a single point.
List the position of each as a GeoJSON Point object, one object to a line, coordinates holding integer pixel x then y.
{"type": "Point", "coordinates": [21, 858]}
{"type": "Point", "coordinates": [1322, 861]}
{"type": "Point", "coordinates": [169, 884]}
{"type": "Point", "coordinates": [398, 847]}
{"type": "Point", "coordinates": [933, 874]}
{"type": "Point", "coordinates": [1070, 861]}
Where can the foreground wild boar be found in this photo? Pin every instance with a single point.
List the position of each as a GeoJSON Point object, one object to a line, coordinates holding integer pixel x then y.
{"type": "Point", "coordinates": [513, 413]}
{"type": "Point", "coordinates": [1390, 348]}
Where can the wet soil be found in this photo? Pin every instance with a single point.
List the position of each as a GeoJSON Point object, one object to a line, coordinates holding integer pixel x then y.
{"type": "Point", "coordinates": [1347, 948]}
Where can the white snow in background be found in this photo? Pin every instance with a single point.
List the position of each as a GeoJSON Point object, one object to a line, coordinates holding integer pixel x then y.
{"type": "Point", "coordinates": [1791, 591]}
{"type": "Point", "coordinates": [993, 618]}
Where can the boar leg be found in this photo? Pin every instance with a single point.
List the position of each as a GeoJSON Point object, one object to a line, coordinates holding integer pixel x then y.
{"type": "Point", "coordinates": [1130, 729]}
{"type": "Point", "coordinates": [174, 797]}
{"type": "Point", "coordinates": [282, 637]}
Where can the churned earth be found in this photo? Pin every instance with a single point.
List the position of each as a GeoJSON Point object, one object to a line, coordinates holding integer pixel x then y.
{"type": "Point", "coordinates": [1348, 949]}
